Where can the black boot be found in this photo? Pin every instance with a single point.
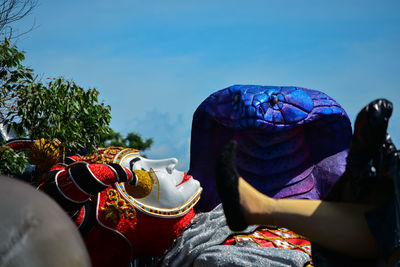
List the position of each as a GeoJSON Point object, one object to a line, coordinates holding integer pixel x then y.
{"type": "Point", "coordinates": [384, 220]}
{"type": "Point", "coordinates": [361, 181]}
{"type": "Point", "coordinates": [227, 181]}
{"type": "Point", "coordinates": [369, 135]}
{"type": "Point", "coordinates": [372, 177]}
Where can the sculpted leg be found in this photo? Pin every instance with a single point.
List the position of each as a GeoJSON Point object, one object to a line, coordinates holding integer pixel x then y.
{"type": "Point", "coordinates": [338, 226]}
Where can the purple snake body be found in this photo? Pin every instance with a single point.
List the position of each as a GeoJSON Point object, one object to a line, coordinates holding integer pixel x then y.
{"type": "Point", "coordinates": [292, 142]}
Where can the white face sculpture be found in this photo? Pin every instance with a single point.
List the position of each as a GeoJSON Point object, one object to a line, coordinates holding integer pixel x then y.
{"type": "Point", "coordinates": [174, 193]}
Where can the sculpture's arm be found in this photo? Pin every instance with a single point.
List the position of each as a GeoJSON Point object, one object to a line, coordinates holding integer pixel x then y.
{"type": "Point", "coordinates": [72, 185]}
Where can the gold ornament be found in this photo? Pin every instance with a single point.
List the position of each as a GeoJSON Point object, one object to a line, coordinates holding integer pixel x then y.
{"type": "Point", "coordinates": [45, 153]}
{"type": "Point", "coordinates": [117, 207]}
{"type": "Point", "coordinates": [143, 187]}
{"type": "Point", "coordinates": [104, 155]}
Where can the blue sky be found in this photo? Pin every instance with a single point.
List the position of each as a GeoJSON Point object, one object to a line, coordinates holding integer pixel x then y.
{"type": "Point", "coordinates": [154, 62]}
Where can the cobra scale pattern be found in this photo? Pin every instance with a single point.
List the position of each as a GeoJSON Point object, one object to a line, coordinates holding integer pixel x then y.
{"type": "Point", "coordinates": [292, 141]}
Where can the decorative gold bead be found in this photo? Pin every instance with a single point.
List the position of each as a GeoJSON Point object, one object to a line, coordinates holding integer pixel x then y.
{"type": "Point", "coordinates": [144, 186]}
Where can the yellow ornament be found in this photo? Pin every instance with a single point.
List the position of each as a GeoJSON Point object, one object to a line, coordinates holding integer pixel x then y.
{"type": "Point", "coordinates": [143, 187]}
{"type": "Point", "coordinates": [45, 153]}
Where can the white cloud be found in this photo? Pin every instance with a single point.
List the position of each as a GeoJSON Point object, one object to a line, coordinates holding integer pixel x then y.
{"type": "Point", "coordinates": [171, 134]}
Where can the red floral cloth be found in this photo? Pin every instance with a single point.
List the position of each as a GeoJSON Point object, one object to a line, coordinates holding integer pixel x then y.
{"type": "Point", "coordinates": [274, 237]}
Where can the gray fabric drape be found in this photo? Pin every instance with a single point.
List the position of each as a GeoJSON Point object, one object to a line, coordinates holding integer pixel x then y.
{"type": "Point", "coordinates": [199, 245]}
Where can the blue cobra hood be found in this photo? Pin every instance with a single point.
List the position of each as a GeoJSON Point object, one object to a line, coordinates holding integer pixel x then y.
{"type": "Point", "coordinates": [292, 142]}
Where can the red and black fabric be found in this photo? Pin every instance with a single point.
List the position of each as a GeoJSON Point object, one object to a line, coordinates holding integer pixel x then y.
{"type": "Point", "coordinates": [89, 179]}
{"type": "Point", "coordinates": [73, 185]}
{"type": "Point", "coordinates": [50, 186]}
{"type": "Point", "coordinates": [94, 178]}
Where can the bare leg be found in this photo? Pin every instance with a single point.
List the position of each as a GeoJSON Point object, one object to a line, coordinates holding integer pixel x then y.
{"type": "Point", "coordinates": [337, 226]}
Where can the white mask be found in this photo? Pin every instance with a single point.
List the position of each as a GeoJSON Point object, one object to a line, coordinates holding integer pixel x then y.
{"type": "Point", "coordinates": [173, 195]}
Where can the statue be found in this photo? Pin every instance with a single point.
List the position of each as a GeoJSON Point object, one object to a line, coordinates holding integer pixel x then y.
{"type": "Point", "coordinates": [127, 207]}
{"type": "Point", "coordinates": [294, 141]}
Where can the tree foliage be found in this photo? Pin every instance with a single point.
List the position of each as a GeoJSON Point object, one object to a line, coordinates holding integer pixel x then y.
{"type": "Point", "coordinates": [13, 76]}
{"type": "Point", "coordinates": [60, 109]}
{"type": "Point", "coordinates": [11, 163]}
{"type": "Point", "coordinates": [132, 139]}
{"type": "Point", "coordinates": [57, 109]}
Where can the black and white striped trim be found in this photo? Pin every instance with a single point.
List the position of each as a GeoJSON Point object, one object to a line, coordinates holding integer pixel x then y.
{"type": "Point", "coordinates": [85, 180]}
{"type": "Point", "coordinates": [89, 218]}
{"type": "Point", "coordinates": [69, 160]}
{"type": "Point", "coordinates": [62, 193]}
{"type": "Point", "coordinates": [51, 188]}
{"type": "Point", "coordinates": [122, 176]}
